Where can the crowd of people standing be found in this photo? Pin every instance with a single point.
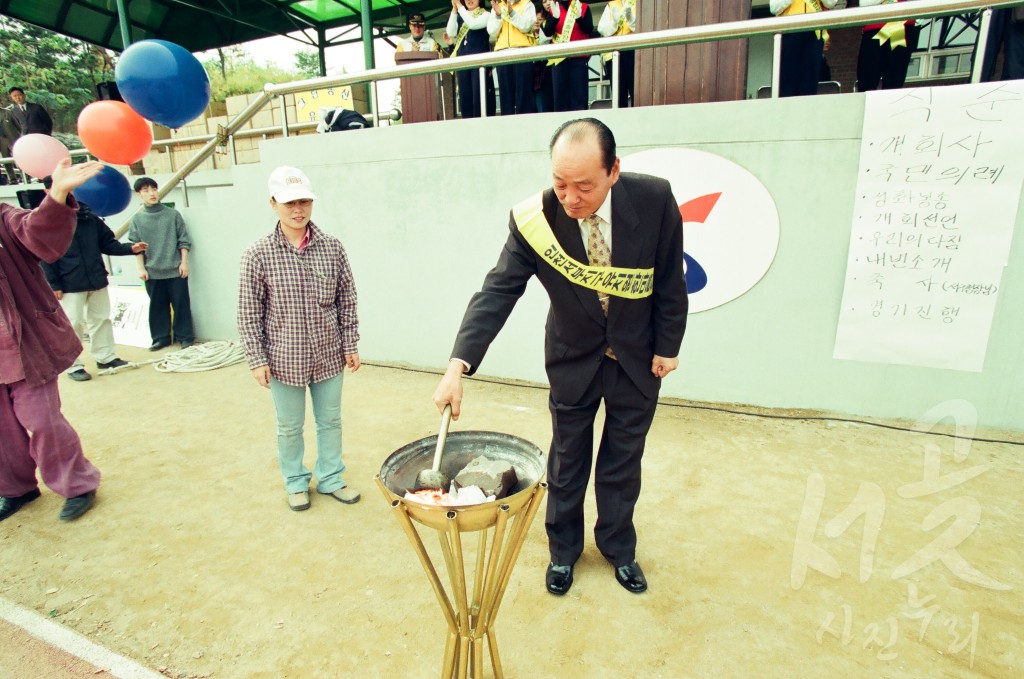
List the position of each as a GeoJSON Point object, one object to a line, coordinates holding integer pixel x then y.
{"type": "Point", "coordinates": [478, 26]}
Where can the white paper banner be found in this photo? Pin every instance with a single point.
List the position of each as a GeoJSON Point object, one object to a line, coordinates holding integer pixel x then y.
{"type": "Point", "coordinates": [937, 193]}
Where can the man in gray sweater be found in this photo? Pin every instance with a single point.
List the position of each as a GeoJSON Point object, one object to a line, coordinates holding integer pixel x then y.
{"type": "Point", "coordinates": [163, 266]}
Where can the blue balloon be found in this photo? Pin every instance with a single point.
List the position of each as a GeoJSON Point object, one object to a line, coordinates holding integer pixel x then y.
{"type": "Point", "coordinates": [163, 82]}
{"type": "Point", "coordinates": [106, 194]}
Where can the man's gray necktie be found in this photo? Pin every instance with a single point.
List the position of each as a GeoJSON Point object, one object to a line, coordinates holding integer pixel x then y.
{"type": "Point", "coordinates": [598, 253]}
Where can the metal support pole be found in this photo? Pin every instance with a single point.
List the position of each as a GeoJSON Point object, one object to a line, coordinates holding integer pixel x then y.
{"type": "Point", "coordinates": [321, 37]}
{"type": "Point", "coordinates": [374, 110]}
{"type": "Point", "coordinates": [470, 611]}
{"type": "Point", "coordinates": [483, 91]}
{"type": "Point", "coordinates": [616, 83]}
{"type": "Point", "coordinates": [284, 117]}
{"type": "Point", "coordinates": [979, 50]}
{"type": "Point", "coordinates": [439, 84]}
{"type": "Point", "coordinates": [776, 63]}
{"type": "Point", "coordinates": [122, 16]}
{"type": "Point", "coordinates": [366, 26]}
{"type": "Point", "coordinates": [366, 29]}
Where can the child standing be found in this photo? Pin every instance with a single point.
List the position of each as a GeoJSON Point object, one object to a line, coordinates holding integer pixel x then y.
{"type": "Point", "coordinates": [164, 267]}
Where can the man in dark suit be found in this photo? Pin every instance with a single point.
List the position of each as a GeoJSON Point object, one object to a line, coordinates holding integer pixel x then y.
{"type": "Point", "coordinates": [8, 135]}
{"type": "Point", "coordinates": [29, 118]}
{"type": "Point", "coordinates": [613, 333]}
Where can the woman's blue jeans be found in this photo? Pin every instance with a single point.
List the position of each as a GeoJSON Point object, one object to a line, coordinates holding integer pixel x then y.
{"type": "Point", "coordinates": [290, 403]}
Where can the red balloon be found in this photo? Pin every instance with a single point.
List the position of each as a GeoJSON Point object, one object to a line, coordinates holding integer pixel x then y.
{"type": "Point", "coordinates": [114, 133]}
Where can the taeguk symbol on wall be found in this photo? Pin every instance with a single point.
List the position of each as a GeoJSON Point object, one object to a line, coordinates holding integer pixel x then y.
{"type": "Point", "coordinates": [696, 210]}
{"type": "Point", "coordinates": [730, 223]}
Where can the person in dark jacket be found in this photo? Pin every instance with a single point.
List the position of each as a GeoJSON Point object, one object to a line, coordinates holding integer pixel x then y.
{"type": "Point", "coordinates": [8, 135]}
{"type": "Point", "coordinates": [79, 281]}
{"type": "Point", "coordinates": [569, 21]}
{"type": "Point", "coordinates": [467, 24]}
{"type": "Point", "coordinates": [603, 343]}
{"type": "Point", "coordinates": [29, 118]}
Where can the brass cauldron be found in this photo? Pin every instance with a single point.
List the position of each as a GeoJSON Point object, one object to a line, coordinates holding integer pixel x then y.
{"type": "Point", "coordinates": [399, 471]}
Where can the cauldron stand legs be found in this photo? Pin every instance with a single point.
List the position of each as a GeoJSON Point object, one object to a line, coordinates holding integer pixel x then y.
{"type": "Point", "coordinates": [473, 614]}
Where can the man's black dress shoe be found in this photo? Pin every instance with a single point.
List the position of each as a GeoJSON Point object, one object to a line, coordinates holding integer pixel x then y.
{"type": "Point", "coordinates": [185, 344]}
{"type": "Point", "coordinates": [157, 346]}
{"type": "Point", "coordinates": [74, 507]}
{"type": "Point", "coordinates": [631, 577]}
{"type": "Point", "coordinates": [558, 579]}
{"type": "Point", "coordinates": [9, 505]}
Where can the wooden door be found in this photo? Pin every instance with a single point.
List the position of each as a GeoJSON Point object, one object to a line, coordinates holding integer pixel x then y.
{"type": "Point", "coordinates": [713, 71]}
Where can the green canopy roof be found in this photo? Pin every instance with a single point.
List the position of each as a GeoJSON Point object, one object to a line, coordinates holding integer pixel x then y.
{"type": "Point", "coordinates": [199, 25]}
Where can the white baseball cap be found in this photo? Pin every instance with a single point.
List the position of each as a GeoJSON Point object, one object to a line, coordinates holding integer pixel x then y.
{"type": "Point", "coordinates": [289, 183]}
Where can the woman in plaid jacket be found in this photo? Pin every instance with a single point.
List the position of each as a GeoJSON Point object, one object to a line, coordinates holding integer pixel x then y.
{"type": "Point", "coordinates": [298, 324]}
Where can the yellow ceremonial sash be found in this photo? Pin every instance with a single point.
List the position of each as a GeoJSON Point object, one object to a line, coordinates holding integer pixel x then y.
{"type": "Point", "coordinates": [894, 31]}
{"type": "Point", "coordinates": [623, 24]}
{"type": "Point", "coordinates": [822, 33]}
{"type": "Point", "coordinates": [566, 33]}
{"type": "Point", "coordinates": [807, 7]}
{"type": "Point", "coordinates": [464, 31]}
{"type": "Point", "coordinates": [611, 280]}
{"type": "Point", "coordinates": [510, 36]}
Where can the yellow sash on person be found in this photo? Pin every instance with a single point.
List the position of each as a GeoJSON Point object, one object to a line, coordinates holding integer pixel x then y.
{"type": "Point", "coordinates": [623, 25]}
{"type": "Point", "coordinates": [807, 7]}
{"type": "Point", "coordinates": [823, 33]}
{"type": "Point", "coordinates": [894, 31]}
{"type": "Point", "coordinates": [623, 22]}
{"type": "Point", "coordinates": [527, 38]}
{"type": "Point", "coordinates": [628, 283]}
{"type": "Point", "coordinates": [464, 31]}
{"type": "Point", "coordinates": [570, 21]}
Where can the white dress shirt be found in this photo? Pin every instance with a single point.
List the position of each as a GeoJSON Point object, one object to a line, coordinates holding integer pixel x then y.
{"type": "Point", "coordinates": [474, 22]}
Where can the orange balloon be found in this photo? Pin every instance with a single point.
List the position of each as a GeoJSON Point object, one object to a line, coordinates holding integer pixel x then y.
{"type": "Point", "coordinates": [114, 133]}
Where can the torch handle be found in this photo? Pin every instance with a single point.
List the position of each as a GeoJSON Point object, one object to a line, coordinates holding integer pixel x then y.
{"type": "Point", "coordinates": [446, 418]}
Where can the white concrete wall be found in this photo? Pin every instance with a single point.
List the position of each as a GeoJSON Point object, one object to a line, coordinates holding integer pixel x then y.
{"type": "Point", "coordinates": [423, 212]}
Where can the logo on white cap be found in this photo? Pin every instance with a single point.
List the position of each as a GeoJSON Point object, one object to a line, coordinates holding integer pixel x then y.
{"type": "Point", "coordinates": [290, 183]}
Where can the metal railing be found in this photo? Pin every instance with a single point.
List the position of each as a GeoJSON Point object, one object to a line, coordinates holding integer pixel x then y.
{"type": "Point", "coordinates": [857, 16]}
{"type": "Point", "coordinates": [775, 26]}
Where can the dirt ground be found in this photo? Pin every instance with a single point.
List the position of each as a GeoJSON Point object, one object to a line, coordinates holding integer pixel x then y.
{"type": "Point", "coordinates": [773, 547]}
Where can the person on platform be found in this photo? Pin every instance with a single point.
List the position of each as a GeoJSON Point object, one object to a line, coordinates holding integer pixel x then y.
{"type": "Point", "coordinates": [619, 18]}
{"type": "Point", "coordinates": [468, 23]}
{"type": "Point", "coordinates": [29, 118]}
{"type": "Point", "coordinates": [570, 21]}
{"type": "Point", "coordinates": [1006, 30]}
{"type": "Point", "coordinates": [802, 52]}
{"type": "Point", "coordinates": [419, 39]}
{"type": "Point", "coordinates": [885, 51]}
{"type": "Point", "coordinates": [79, 282]}
{"type": "Point", "coordinates": [543, 90]}
{"type": "Point", "coordinates": [510, 24]}
{"type": "Point", "coordinates": [604, 340]}
{"type": "Point", "coordinates": [37, 343]}
{"type": "Point", "coordinates": [8, 135]}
